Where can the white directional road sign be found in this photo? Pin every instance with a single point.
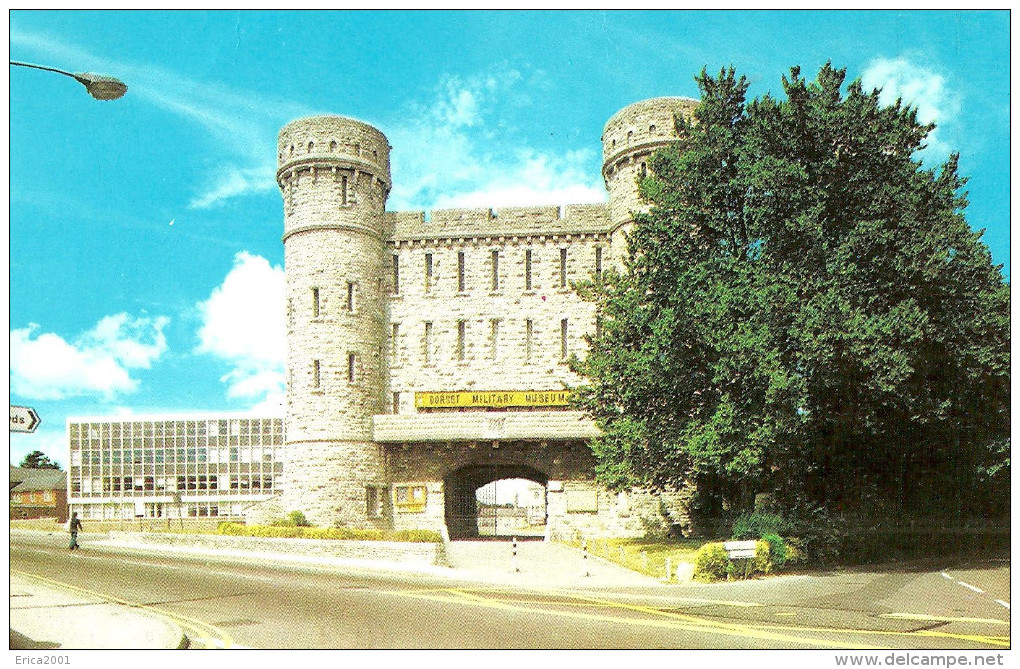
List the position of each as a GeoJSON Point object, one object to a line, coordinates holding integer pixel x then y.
{"type": "Point", "coordinates": [24, 419]}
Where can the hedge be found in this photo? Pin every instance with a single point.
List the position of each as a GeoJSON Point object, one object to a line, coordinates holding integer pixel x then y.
{"type": "Point", "coordinates": [339, 533]}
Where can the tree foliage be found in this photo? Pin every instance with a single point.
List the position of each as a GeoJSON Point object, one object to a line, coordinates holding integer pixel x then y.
{"type": "Point", "coordinates": [38, 460]}
{"type": "Point", "coordinates": [805, 310]}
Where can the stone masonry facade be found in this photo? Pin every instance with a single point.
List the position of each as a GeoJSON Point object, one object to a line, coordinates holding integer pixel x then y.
{"type": "Point", "coordinates": [384, 308]}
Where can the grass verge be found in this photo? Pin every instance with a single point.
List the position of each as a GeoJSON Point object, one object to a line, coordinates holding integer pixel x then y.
{"type": "Point", "coordinates": [644, 555]}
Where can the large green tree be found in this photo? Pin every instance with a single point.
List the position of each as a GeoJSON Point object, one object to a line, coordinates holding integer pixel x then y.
{"type": "Point", "coordinates": [804, 310]}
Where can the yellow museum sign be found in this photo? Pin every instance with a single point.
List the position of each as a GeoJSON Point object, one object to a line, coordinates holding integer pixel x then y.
{"type": "Point", "coordinates": [506, 398]}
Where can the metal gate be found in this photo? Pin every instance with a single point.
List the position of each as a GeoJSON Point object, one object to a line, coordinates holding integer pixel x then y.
{"type": "Point", "coordinates": [472, 505]}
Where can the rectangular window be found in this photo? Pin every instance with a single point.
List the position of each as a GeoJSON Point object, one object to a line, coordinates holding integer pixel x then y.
{"type": "Point", "coordinates": [427, 343]}
{"type": "Point", "coordinates": [598, 262]}
{"type": "Point", "coordinates": [396, 274]}
{"type": "Point", "coordinates": [563, 268]}
{"type": "Point", "coordinates": [461, 335]}
{"type": "Point", "coordinates": [374, 501]}
{"type": "Point", "coordinates": [528, 331]}
{"type": "Point", "coordinates": [343, 189]}
{"type": "Point", "coordinates": [563, 339]}
{"type": "Point", "coordinates": [527, 269]}
{"type": "Point", "coordinates": [495, 270]}
{"type": "Point", "coordinates": [396, 403]}
{"type": "Point", "coordinates": [315, 302]}
{"type": "Point", "coordinates": [350, 296]}
{"type": "Point", "coordinates": [494, 338]}
{"type": "Point", "coordinates": [428, 272]}
{"type": "Point", "coordinates": [461, 281]}
{"type": "Point", "coordinates": [393, 341]}
{"type": "Point", "coordinates": [316, 366]}
{"type": "Point", "coordinates": [351, 363]}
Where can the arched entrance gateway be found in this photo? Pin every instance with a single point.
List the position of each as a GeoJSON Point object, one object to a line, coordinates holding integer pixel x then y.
{"type": "Point", "coordinates": [478, 506]}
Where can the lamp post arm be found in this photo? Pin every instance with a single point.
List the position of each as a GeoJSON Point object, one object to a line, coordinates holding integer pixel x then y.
{"type": "Point", "coordinates": [42, 67]}
{"type": "Point", "coordinates": [100, 87]}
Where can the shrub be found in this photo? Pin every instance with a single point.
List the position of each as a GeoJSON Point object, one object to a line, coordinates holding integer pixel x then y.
{"type": "Point", "coordinates": [777, 550]}
{"type": "Point", "coordinates": [821, 537]}
{"type": "Point", "coordinates": [757, 524]}
{"type": "Point", "coordinates": [795, 554]}
{"type": "Point", "coordinates": [337, 533]}
{"type": "Point", "coordinates": [711, 562]}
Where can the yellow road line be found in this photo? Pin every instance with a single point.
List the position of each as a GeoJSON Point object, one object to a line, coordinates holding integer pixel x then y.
{"type": "Point", "coordinates": [204, 632]}
{"type": "Point", "coordinates": [922, 616]}
{"type": "Point", "coordinates": [691, 623]}
{"type": "Point", "coordinates": [672, 621]}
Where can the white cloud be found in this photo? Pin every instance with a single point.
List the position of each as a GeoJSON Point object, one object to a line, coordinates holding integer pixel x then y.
{"type": "Point", "coordinates": [460, 149]}
{"type": "Point", "coordinates": [51, 442]}
{"type": "Point", "coordinates": [917, 86]}
{"type": "Point", "coordinates": [45, 366]}
{"type": "Point", "coordinates": [244, 124]}
{"type": "Point", "coordinates": [242, 323]}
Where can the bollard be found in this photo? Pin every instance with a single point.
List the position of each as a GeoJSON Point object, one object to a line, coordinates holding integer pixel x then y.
{"type": "Point", "coordinates": [516, 569]}
{"type": "Point", "coordinates": [584, 556]}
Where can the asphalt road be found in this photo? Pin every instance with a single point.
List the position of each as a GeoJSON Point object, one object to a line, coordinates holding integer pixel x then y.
{"type": "Point", "coordinates": [956, 605]}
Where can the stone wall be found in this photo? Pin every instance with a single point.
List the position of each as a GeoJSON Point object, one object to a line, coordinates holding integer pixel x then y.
{"type": "Point", "coordinates": [397, 552]}
{"type": "Point", "coordinates": [480, 337]}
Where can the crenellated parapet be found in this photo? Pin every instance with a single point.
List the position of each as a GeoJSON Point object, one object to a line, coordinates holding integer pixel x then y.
{"type": "Point", "coordinates": [503, 223]}
{"type": "Point", "coordinates": [332, 171]}
{"type": "Point", "coordinates": [629, 138]}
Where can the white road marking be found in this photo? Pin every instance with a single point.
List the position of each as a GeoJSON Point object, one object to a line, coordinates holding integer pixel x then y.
{"type": "Point", "coordinates": [947, 576]}
{"type": "Point", "coordinates": [1006, 604]}
{"type": "Point", "coordinates": [971, 587]}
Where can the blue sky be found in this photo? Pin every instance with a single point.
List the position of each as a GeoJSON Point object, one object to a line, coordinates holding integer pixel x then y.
{"type": "Point", "coordinates": [145, 252]}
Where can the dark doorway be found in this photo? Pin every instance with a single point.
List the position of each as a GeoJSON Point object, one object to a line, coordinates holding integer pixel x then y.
{"type": "Point", "coordinates": [494, 501]}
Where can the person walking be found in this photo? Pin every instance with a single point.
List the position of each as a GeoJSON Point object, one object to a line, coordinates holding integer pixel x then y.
{"type": "Point", "coordinates": [74, 527]}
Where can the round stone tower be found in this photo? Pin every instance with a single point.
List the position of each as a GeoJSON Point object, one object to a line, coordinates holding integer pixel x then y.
{"type": "Point", "coordinates": [334, 175]}
{"type": "Point", "coordinates": [628, 139]}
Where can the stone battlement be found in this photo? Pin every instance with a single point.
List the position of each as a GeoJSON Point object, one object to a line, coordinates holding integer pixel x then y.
{"type": "Point", "coordinates": [503, 222]}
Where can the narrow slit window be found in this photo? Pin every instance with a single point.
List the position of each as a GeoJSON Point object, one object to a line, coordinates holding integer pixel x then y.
{"type": "Point", "coordinates": [527, 269]}
{"type": "Point", "coordinates": [396, 274]}
{"type": "Point", "coordinates": [461, 282]}
{"type": "Point", "coordinates": [350, 296]}
{"type": "Point", "coordinates": [598, 262]}
{"type": "Point", "coordinates": [528, 332]}
{"type": "Point", "coordinates": [428, 272]}
{"type": "Point", "coordinates": [343, 189]}
{"type": "Point", "coordinates": [563, 268]}
{"type": "Point", "coordinates": [352, 362]}
{"type": "Point", "coordinates": [393, 340]}
{"type": "Point", "coordinates": [461, 336]}
{"type": "Point", "coordinates": [495, 270]}
{"type": "Point", "coordinates": [396, 403]}
{"type": "Point", "coordinates": [427, 343]}
{"type": "Point", "coordinates": [494, 338]}
{"type": "Point", "coordinates": [563, 339]}
{"type": "Point", "coordinates": [316, 368]}
{"type": "Point", "coordinates": [315, 302]}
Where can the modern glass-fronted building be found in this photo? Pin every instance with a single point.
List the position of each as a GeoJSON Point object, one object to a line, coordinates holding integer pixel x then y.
{"type": "Point", "coordinates": [172, 466]}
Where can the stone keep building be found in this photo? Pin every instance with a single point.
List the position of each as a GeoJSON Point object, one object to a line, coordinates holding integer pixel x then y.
{"type": "Point", "coordinates": [427, 354]}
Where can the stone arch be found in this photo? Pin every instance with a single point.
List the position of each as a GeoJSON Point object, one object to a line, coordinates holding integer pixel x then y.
{"type": "Point", "coordinates": [461, 485]}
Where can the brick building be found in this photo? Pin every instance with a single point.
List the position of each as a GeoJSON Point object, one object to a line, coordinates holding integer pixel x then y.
{"type": "Point", "coordinates": [38, 493]}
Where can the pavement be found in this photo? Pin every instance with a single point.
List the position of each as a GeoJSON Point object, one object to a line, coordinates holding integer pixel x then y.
{"type": "Point", "coordinates": [45, 614]}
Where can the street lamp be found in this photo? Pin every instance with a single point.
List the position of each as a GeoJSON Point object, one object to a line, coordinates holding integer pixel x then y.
{"type": "Point", "coordinates": [100, 87]}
